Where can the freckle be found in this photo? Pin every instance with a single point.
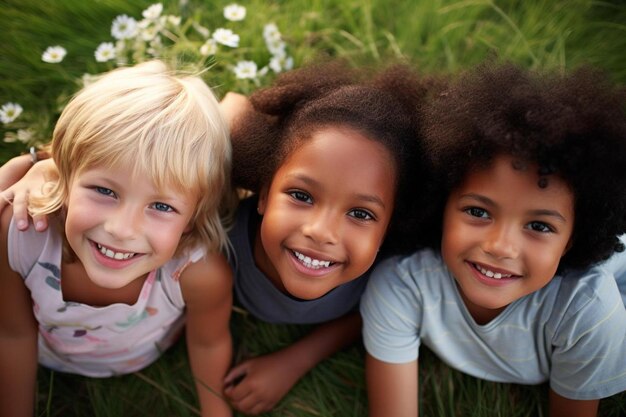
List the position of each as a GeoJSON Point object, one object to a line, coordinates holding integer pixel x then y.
{"type": "Point", "coordinates": [543, 182]}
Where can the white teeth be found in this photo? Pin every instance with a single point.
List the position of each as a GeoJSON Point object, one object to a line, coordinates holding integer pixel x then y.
{"type": "Point", "coordinates": [114, 255]}
{"type": "Point", "coordinates": [311, 263]}
{"type": "Point", "coordinates": [491, 274]}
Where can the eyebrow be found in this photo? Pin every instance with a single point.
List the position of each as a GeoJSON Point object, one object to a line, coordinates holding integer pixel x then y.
{"type": "Point", "coordinates": [370, 198]}
{"type": "Point", "coordinates": [539, 212]}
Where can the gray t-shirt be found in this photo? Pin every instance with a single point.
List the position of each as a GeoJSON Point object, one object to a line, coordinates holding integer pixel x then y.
{"type": "Point", "coordinates": [256, 293]}
{"type": "Point", "coordinates": [572, 332]}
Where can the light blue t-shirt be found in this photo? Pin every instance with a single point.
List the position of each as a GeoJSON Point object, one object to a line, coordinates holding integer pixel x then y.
{"type": "Point", "coordinates": [616, 264]}
{"type": "Point", "coordinates": [571, 333]}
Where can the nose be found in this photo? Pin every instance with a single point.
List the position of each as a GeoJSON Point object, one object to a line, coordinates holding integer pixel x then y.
{"type": "Point", "coordinates": [322, 226]}
{"type": "Point", "coordinates": [502, 242]}
{"type": "Point", "coordinates": [124, 222]}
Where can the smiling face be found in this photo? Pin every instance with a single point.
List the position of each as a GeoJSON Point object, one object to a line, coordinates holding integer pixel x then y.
{"type": "Point", "coordinates": [503, 235]}
{"type": "Point", "coordinates": [325, 213]}
{"type": "Point", "coordinates": [121, 227]}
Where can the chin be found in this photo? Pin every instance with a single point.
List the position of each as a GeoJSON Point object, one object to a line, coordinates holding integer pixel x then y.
{"type": "Point", "coordinates": [306, 294]}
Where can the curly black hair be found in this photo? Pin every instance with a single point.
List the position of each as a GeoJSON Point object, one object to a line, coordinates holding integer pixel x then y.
{"type": "Point", "coordinates": [382, 106]}
{"type": "Point", "coordinates": [572, 125]}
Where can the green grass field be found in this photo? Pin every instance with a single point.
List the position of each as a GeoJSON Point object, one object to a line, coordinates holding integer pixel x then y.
{"type": "Point", "coordinates": [438, 36]}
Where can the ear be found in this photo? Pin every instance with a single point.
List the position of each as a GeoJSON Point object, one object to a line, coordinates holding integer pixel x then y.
{"type": "Point", "coordinates": [569, 245]}
{"type": "Point", "coordinates": [262, 200]}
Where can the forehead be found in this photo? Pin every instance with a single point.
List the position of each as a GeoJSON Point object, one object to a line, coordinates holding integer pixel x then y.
{"type": "Point", "coordinates": [504, 181]}
{"type": "Point", "coordinates": [344, 159]}
{"type": "Point", "coordinates": [134, 177]}
{"type": "Point", "coordinates": [344, 144]}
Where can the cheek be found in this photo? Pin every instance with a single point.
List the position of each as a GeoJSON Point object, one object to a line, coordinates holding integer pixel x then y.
{"type": "Point", "coordinates": [548, 260]}
{"type": "Point", "coordinates": [76, 222]}
{"type": "Point", "coordinates": [451, 238]}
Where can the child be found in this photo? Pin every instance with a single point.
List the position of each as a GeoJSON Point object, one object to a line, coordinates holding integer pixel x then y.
{"type": "Point", "coordinates": [325, 151]}
{"type": "Point", "coordinates": [143, 159]}
{"type": "Point", "coordinates": [326, 155]}
{"type": "Point", "coordinates": [533, 178]}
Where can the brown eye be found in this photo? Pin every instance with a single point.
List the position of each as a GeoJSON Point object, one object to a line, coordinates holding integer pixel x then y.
{"type": "Point", "coordinates": [540, 227]}
{"type": "Point", "coordinates": [361, 214]}
{"type": "Point", "coordinates": [477, 212]}
{"type": "Point", "coordinates": [301, 196]}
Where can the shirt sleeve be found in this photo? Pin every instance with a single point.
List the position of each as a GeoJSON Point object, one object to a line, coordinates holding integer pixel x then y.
{"type": "Point", "coordinates": [391, 310]}
{"type": "Point", "coordinates": [589, 346]}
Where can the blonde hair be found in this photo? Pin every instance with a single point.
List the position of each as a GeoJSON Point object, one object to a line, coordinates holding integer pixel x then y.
{"type": "Point", "coordinates": [166, 126]}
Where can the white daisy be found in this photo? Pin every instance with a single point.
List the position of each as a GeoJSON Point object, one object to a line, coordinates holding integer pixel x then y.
{"type": "Point", "coordinates": [271, 32]}
{"type": "Point", "coordinates": [25, 135]}
{"type": "Point", "coordinates": [209, 48]}
{"type": "Point", "coordinates": [10, 112]}
{"type": "Point", "coordinates": [245, 69]}
{"type": "Point", "coordinates": [226, 37]}
{"type": "Point", "coordinates": [105, 52]}
{"type": "Point", "coordinates": [153, 12]}
{"type": "Point", "coordinates": [123, 27]}
{"type": "Point", "coordinates": [234, 12]}
{"type": "Point", "coordinates": [279, 63]}
{"type": "Point", "coordinates": [53, 54]}
{"type": "Point", "coordinates": [22, 135]}
{"type": "Point", "coordinates": [276, 46]}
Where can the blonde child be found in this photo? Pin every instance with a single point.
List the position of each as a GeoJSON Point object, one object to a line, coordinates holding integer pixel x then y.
{"type": "Point", "coordinates": [532, 181]}
{"type": "Point", "coordinates": [133, 251]}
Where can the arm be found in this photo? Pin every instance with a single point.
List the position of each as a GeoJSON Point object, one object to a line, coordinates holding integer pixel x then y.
{"type": "Point", "coordinates": [392, 388]}
{"type": "Point", "coordinates": [207, 290]}
{"type": "Point", "coordinates": [18, 337]}
{"type": "Point", "coordinates": [29, 181]}
{"type": "Point", "coordinates": [564, 407]}
{"type": "Point", "coordinates": [268, 378]}
{"type": "Point", "coordinates": [13, 170]}
{"type": "Point", "coordinates": [233, 106]}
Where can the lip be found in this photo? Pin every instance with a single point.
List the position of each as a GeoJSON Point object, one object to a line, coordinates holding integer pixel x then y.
{"type": "Point", "coordinates": [110, 262]}
{"type": "Point", "coordinates": [320, 272]}
{"type": "Point", "coordinates": [493, 282]}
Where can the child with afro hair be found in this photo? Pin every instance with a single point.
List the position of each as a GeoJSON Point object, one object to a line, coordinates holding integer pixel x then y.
{"type": "Point", "coordinates": [531, 183]}
{"type": "Point", "coordinates": [326, 152]}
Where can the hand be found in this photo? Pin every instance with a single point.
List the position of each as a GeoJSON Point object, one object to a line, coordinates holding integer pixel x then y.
{"type": "Point", "coordinates": [31, 184]}
{"type": "Point", "coordinates": [257, 385]}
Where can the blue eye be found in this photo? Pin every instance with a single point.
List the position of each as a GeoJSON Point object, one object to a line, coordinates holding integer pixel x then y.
{"type": "Point", "coordinates": [361, 214]}
{"type": "Point", "coordinates": [301, 196]}
{"type": "Point", "coordinates": [104, 191]}
{"type": "Point", "coordinates": [477, 212]}
{"type": "Point", "coordinates": [162, 207]}
{"type": "Point", "coordinates": [540, 227]}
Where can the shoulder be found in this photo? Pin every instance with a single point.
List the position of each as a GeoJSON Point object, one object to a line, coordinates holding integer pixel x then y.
{"type": "Point", "coordinates": [402, 282]}
{"type": "Point", "coordinates": [410, 269]}
{"type": "Point", "coordinates": [588, 301]}
{"type": "Point", "coordinates": [206, 279]}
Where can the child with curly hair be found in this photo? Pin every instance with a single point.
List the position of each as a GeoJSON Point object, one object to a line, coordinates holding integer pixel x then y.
{"type": "Point", "coordinates": [133, 251]}
{"type": "Point", "coordinates": [532, 181]}
{"type": "Point", "coordinates": [325, 151]}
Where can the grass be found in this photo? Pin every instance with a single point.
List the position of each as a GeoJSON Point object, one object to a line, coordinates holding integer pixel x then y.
{"type": "Point", "coordinates": [443, 36]}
